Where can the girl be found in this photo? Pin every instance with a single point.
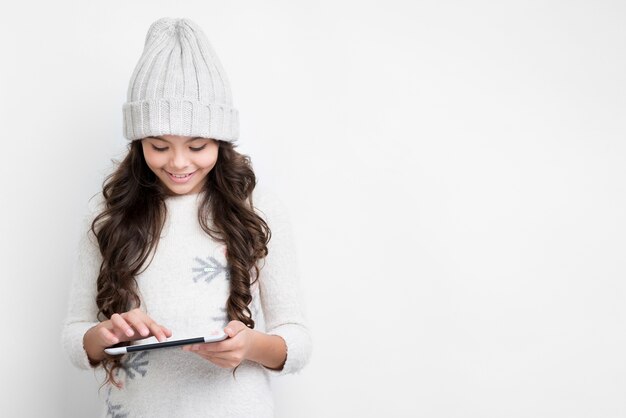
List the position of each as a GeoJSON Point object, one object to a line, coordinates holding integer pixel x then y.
{"type": "Point", "coordinates": [181, 243]}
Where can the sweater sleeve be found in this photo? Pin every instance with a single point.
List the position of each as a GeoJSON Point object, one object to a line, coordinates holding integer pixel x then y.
{"type": "Point", "coordinates": [280, 292]}
{"type": "Point", "coordinates": [82, 310]}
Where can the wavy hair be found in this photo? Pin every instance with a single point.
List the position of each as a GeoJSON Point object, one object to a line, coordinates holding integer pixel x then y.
{"type": "Point", "coordinates": [128, 228]}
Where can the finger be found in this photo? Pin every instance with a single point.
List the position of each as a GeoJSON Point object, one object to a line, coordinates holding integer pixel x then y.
{"type": "Point", "coordinates": [167, 331]}
{"type": "Point", "coordinates": [213, 357]}
{"type": "Point", "coordinates": [222, 361]}
{"type": "Point", "coordinates": [211, 347]}
{"type": "Point", "coordinates": [196, 348]}
{"type": "Point", "coordinates": [219, 358]}
{"type": "Point", "coordinates": [150, 327]}
{"type": "Point", "coordinates": [137, 319]}
{"type": "Point", "coordinates": [225, 362]}
{"type": "Point", "coordinates": [234, 327]}
{"type": "Point", "coordinates": [107, 337]}
{"type": "Point", "coordinates": [122, 325]}
{"type": "Point", "coordinates": [155, 329]}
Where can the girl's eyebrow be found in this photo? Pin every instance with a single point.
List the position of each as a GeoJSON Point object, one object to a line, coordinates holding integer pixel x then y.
{"type": "Point", "coordinates": [163, 139]}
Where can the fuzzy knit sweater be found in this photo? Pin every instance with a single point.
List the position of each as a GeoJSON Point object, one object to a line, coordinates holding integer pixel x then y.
{"type": "Point", "coordinates": [185, 288]}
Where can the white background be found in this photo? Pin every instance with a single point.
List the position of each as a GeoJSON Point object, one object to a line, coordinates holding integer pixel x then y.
{"type": "Point", "coordinates": [454, 170]}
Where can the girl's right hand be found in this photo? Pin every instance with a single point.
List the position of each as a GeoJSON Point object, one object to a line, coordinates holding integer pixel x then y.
{"type": "Point", "coordinates": [128, 326]}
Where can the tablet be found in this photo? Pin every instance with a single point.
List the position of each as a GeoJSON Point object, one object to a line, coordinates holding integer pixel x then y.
{"type": "Point", "coordinates": [165, 344]}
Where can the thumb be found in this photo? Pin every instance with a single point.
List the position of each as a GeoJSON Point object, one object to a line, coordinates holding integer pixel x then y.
{"type": "Point", "coordinates": [234, 327]}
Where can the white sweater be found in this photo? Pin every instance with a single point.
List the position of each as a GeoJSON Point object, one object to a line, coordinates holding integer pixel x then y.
{"type": "Point", "coordinates": [185, 288]}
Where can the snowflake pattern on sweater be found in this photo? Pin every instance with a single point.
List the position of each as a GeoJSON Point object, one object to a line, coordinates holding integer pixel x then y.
{"type": "Point", "coordinates": [114, 410]}
{"type": "Point", "coordinates": [133, 365]}
{"type": "Point", "coordinates": [209, 269]}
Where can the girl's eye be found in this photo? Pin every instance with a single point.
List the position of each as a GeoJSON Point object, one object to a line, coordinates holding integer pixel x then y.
{"type": "Point", "coordinates": [191, 148]}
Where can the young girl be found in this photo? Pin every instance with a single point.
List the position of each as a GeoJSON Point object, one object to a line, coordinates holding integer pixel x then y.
{"type": "Point", "coordinates": [181, 244]}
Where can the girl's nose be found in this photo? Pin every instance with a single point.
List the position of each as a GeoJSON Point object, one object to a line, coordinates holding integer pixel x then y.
{"type": "Point", "coordinates": [180, 160]}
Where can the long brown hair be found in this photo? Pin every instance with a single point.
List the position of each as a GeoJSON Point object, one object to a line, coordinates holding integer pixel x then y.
{"type": "Point", "coordinates": [128, 228]}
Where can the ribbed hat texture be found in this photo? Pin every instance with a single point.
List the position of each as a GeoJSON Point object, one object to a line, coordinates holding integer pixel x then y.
{"type": "Point", "coordinates": [179, 86]}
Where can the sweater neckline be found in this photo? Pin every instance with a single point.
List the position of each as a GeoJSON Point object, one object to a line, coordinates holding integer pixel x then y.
{"type": "Point", "coordinates": [188, 197]}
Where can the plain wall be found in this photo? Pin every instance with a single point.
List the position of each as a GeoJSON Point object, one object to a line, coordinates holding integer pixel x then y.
{"type": "Point", "coordinates": [454, 171]}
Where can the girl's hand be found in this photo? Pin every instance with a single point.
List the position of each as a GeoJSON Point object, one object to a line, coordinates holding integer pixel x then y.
{"type": "Point", "coordinates": [128, 326]}
{"type": "Point", "coordinates": [230, 352]}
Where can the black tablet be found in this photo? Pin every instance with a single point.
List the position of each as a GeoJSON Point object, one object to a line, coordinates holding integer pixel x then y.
{"type": "Point", "coordinates": [165, 344]}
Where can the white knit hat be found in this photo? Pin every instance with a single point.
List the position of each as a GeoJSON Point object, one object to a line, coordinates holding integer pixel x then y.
{"type": "Point", "coordinates": [179, 86]}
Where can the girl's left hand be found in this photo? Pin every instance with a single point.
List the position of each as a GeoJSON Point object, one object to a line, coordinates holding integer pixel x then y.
{"type": "Point", "coordinates": [230, 352]}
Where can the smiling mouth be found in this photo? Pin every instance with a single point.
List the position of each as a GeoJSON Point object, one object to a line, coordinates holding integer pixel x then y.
{"type": "Point", "coordinates": [179, 176]}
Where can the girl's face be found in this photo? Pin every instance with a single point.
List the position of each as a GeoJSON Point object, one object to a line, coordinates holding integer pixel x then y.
{"type": "Point", "coordinates": [180, 162]}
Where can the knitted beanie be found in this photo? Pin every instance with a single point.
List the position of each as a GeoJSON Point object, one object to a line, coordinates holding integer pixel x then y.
{"type": "Point", "coordinates": [179, 86]}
